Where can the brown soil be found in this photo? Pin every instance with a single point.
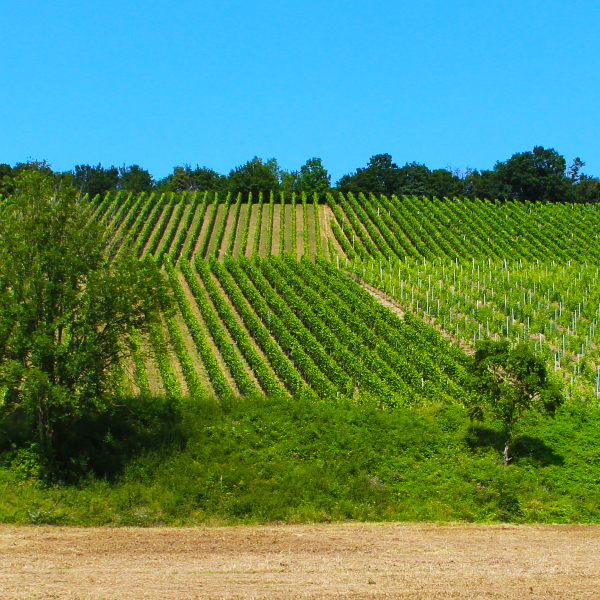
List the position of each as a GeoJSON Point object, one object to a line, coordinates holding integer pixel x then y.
{"type": "Point", "coordinates": [312, 242]}
{"type": "Point", "coordinates": [215, 232]}
{"type": "Point", "coordinates": [253, 230]}
{"type": "Point", "coordinates": [230, 231]}
{"type": "Point", "coordinates": [241, 228]}
{"type": "Point", "coordinates": [264, 230]}
{"type": "Point", "coordinates": [203, 228]}
{"type": "Point", "coordinates": [416, 561]}
{"type": "Point", "coordinates": [277, 215]}
{"type": "Point", "coordinates": [287, 226]}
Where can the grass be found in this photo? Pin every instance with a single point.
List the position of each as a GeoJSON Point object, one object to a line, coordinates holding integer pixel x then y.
{"type": "Point", "coordinates": [275, 460]}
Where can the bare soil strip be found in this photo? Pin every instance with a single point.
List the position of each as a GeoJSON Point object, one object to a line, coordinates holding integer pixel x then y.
{"type": "Point", "coordinates": [202, 233]}
{"type": "Point", "coordinates": [299, 230]}
{"type": "Point", "coordinates": [287, 233]}
{"type": "Point", "coordinates": [392, 560]}
{"type": "Point", "coordinates": [264, 230]}
{"type": "Point", "coordinates": [276, 224]}
{"type": "Point", "coordinates": [229, 231]}
{"type": "Point", "coordinates": [312, 240]}
{"type": "Point", "coordinates": [252, 230]}
{"type": "Point", "coordinates": [325, 218]}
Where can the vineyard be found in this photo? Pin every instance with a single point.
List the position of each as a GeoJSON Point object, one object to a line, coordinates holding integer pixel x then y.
{"type": "Point", "coordinates": [357, 296]}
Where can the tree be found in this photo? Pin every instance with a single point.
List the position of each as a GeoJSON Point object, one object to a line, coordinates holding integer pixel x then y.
{"type": "Point", "coordinates": [9, 174]}
{"type": "Point", "coordinates": [255, 176]}
{"type": "Point", "coordinates": [511, 382]}
{"type": "Point", "coordinates": [135, 179]}
{"type": "Point", "coordinates": [381, 176]}
{"type": "Point", "coordinates": [66, 312]}
{"type": "Point", "coordinates": [443, 183]}
{"type": "Point", "coordinates": [587, 189]}
{"type": "Point", "coordinates": [485, 184]}
{"type": "Point", "coordinates": [414, 180]}
{"type": "Point", "coordinates": [313, 177]}
{"type": "Point", "coordinates": [538, 175]}
{"type": "Point", "coordinates": [187, 179]}
{"type": "Point", "coordinates": [95, 180]}
{"type": "Point", "coordinates": [6, 179]}
{"type": "Point", "coordinates": [574, 169]}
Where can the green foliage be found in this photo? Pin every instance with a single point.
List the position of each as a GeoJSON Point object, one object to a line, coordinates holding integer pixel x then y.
{"type": "Point", "coordinates": [512, 381]}
{"type": "Point", "coordinates": [255, 176]}
{"type": "Point", "coordinates": [135, 179]}
{"type": "Point", "coordinates": [199, 179]}
{"type": "Point", "coordinates": [382, 176]}
{"type": "Point", "coordinates": [295, 460]}
{"type": "Point", "coordinates": [66, 312]}
{"type": "Point", "coordinates": [537, 176]}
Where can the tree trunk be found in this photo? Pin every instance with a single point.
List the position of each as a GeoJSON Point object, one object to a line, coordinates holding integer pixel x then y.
{"type": "Point", "coordinates": [506, 459]}
{"type": "Point", "coordinates": [41, 423]}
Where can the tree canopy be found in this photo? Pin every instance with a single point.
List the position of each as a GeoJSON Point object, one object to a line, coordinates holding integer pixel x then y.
{"type": "Point", "coordinates": [255, 176]}
{"type": "Point", "coordinates": [67, 313]}
{"type": "Point", "coordinates": [538, 175]}
{"type": "Point", "coordinates": [511, 381]}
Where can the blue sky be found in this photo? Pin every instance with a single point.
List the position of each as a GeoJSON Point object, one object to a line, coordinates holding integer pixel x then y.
{"type": "Point", "coordinates": [160, 84]}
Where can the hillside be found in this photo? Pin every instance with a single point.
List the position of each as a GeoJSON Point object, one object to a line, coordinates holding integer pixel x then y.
{"type": "Point", "coordinates": [316, 367]}
{"type": "Point", "coordinates": [470, 269]}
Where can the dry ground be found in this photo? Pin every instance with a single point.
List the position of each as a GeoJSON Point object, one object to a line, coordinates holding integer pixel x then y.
{"type": "Point", "coordinates": [419, 561]}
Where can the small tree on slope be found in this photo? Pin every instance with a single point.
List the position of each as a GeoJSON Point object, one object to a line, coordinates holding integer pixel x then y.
{"type": "Point", "coordinates": [511, 382]}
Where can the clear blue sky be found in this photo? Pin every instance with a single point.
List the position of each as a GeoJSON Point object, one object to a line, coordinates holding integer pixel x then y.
{"type": "Point", "coordinates": [159, 83]}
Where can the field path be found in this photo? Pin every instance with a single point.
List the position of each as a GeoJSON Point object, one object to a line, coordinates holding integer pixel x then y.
{"type": "Point", "coordinates": [389, 302]}
{"type": "Point", "coordinates": [401, 561]}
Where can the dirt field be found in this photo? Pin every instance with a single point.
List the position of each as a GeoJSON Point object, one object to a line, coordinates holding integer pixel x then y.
{"type": "Point", "coordinates": [307, 561]}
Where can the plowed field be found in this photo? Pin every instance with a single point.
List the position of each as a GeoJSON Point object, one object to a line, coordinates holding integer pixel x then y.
{"type": "Point", "coordinates": [417, 561]}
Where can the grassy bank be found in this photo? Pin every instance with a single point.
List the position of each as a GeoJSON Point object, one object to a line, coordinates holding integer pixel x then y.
{"type": "Point", "coordinates": [153, 462]}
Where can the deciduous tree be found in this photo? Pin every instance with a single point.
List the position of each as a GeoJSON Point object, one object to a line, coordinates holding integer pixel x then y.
{"type": "Point", "coordinates": [66, 311]}
{"type": "Point", "coordinates": [511, 382]}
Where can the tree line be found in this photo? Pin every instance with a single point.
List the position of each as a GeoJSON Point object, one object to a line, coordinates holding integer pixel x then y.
{"type": "Point", "coordinates": [538, 175]}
